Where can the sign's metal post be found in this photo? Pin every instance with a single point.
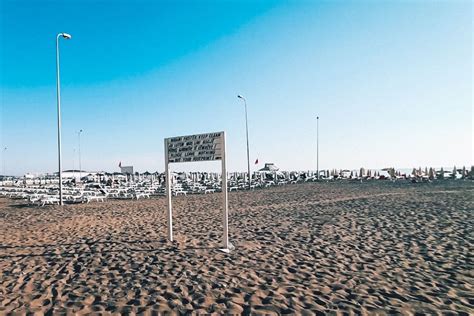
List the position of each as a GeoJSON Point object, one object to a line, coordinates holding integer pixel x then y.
{"type": "Point", "coordinates": [225, 242]}
{"type": "Point", "coordinates": [168, 194]}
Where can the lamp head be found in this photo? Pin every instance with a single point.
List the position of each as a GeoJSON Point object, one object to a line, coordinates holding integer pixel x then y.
{"type": "Point", "coordinates": [66, 35]}
{"type": "Point", "coordinates": [240, 97]}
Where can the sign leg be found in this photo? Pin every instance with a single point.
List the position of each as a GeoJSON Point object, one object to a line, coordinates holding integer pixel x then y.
{"type": "Point", "coordinates": [227, 246]}
{"type": "Point", "coordinates": [168, 195]}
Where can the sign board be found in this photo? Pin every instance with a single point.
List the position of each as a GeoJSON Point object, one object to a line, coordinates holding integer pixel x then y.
{"type": "Point", "coordinates": [200, 147]}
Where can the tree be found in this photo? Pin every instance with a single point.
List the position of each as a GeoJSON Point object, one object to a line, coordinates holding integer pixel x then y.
{"type": "Point", "coordinates": [464, 174]}
{"type": "Point", "coordinates": [414, 172]}
{"type": "Point", "coordinates": [455, 171]}
{"type": "Point", "coordinates": [361, 172]}
{"type": "Point", "coordinates": [441, 176]}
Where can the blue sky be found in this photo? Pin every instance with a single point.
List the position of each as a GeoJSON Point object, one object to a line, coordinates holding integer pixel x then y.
{"type": "Point", "coordinates": [392, 82]}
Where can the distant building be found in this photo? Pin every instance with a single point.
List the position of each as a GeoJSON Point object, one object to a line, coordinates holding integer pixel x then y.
{"type": "Point", "coordinates": [269, 167]}
{"type": "Point", "coordinates": [72, 174]}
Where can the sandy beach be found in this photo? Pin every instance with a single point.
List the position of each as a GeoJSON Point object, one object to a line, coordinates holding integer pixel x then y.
{"type": "Point", "coordinates": [373, 247]}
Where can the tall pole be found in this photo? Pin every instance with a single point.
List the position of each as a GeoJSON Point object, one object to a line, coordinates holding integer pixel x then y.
{"type": "Point", "coordinates": [247, 134]}
{"type": "Point", "coordinates": [58, 94]}
{"type": "Point", "coordinates": [317, 146]}
{"type": "Point", "coordinates": [225, 237]}
{"type": "Point", "coordinates": [80, 164]}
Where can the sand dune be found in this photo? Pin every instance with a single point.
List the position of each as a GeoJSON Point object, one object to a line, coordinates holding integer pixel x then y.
{"type": "Point", "coordinates": [301, 249]}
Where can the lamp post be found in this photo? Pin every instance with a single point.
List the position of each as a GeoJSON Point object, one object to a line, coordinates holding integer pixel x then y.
{"type": "Point", "coordinates": [247, 133]}
{"type": "Point", "coordinates": [317, 147]}
{"type": "Point", "coordinates": [58, 94]}
{"type": "Point", "coordinates": [80, 164]}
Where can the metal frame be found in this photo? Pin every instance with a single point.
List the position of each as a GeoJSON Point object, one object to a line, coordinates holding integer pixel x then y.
{"type": "Point", "coordinates": [226, 245]}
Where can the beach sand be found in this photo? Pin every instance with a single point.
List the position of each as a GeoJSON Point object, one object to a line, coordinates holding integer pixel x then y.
{"type": "Point", "coordinates": [374, 247]}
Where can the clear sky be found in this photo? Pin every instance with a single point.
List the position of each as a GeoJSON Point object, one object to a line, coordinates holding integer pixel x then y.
{"type": "Point", "coordinates": [392, 82]}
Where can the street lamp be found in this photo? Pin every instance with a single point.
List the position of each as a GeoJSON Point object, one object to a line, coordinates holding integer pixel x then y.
{"type": "Point", "coordinates": [58, 92]}
{"type": "Point", "coordinates": [317, 146]}
{"type": "Point", "coordinates": [247, 133]}
{"type": "Point", "coordinates": [80, 165]}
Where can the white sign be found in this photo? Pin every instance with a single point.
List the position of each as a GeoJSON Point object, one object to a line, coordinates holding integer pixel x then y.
{"type": "Point", "coordinates": [202, 147]}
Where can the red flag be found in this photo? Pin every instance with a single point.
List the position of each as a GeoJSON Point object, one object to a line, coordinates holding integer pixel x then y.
{"type": "Point", "coordinates": [256, 161]}
{"type": "Point", "coordinates": [120, 164]}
